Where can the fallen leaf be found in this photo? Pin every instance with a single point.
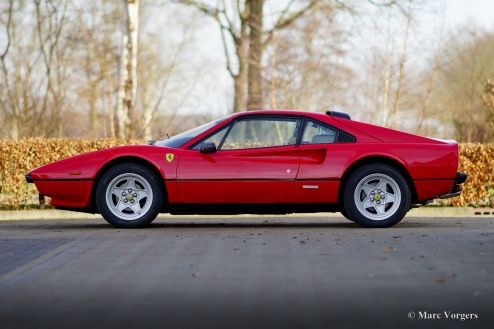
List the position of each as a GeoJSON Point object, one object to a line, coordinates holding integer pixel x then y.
{"type": "Point", "coordinates": [440, 279]}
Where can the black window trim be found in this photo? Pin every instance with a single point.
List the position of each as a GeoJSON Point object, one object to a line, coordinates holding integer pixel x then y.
{"type": "Point", "coordinates": [228, 126]}
{"type": "Point", "coordinates": [264, 117]}
{"type": "Point", "coordinates": [327, 125]}
{"type": "Point", "coordinates": [300, 133]}
{"type": "Point", "coordinates": [252, 117]}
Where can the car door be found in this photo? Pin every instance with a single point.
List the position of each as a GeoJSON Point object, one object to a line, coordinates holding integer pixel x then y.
{"type": "Point", "coordinates": [256, 162]}
{"type": "Point", "coordinates": [319, 153]}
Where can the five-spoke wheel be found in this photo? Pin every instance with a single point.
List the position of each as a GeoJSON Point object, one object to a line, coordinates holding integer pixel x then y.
{"type": "Point", "coordinates": [129, 195]}
{"type": "Point", "coordinates": [376, 195]}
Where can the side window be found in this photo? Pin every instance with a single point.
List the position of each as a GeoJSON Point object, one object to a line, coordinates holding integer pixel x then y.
{"type": "Point", "coordinates": [215, 138]}
{"type": "Point", "coordinates": [262, 132]}
{"type": "Point", "coordinates": [318, 134]}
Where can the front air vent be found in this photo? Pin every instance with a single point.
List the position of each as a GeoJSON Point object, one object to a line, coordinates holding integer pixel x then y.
{"type": "Point", "coordinates": [345, 138]}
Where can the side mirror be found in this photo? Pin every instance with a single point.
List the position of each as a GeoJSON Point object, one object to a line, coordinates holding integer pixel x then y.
{"type": "Point", "coordinates": [208, 148]}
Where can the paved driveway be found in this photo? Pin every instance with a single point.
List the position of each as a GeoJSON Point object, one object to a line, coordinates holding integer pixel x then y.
{"type": "Point", "coordinates": [242, 272]}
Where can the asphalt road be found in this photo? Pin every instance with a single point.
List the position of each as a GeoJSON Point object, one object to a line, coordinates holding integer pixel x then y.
{"type": "Point", "coordinates": [260, 272]}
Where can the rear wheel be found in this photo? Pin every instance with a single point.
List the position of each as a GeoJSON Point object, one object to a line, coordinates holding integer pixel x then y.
{"type": "Point", "coordinates": [376, 195]}
{"type": "Point", "coordinates": [129, 195]}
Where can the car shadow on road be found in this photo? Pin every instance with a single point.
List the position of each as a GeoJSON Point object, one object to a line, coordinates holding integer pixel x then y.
{"type": "Point", "coordinates": [58, 225]}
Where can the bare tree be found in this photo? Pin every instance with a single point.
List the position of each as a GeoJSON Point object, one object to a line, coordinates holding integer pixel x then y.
{"type": "Point", "coordinates": [95, 29]}
{"type": "Point", "coordinates": [488, 99]}
{"type": "Point", "coordinates": [254, 86]}
{"type": "Point", "coordinates": [50, 22]}
{"type": "Point", "coordinates": [34, 67]}
{"type": "Point", "coordinates": [59, 69]}
{"type": "Point", "coordinates": [466, 66]}
{"type": "Point", "coordinates": [14, 131]}
{"type": "Point", "coordinates": [430, 85]}
{"type": "Point", "coordinates": [386, 88]}
{"type": "Point", "coordinates": [401, 70]}
{"type": "Point", "coordinates": [243, 23]}
{"type": "Point", "coordinates": [126, 112]}
{"type": "Point", "coordinates": [305, 68]}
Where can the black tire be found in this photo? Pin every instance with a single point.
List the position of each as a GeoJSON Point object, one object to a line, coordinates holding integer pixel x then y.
{"type": "Point", "coordinates": [155, 183]}
{"type": "Point", "coordinates": [396, 212]}
{"type": "Point", "coordinates": [344, 213]}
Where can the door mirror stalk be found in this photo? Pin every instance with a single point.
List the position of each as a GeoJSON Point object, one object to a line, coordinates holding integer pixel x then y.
{"type": "Point", "coordinates": [208, 148]}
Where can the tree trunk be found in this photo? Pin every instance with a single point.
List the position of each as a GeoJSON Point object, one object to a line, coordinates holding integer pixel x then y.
{"type": "Point", "coordinates": [240, 79]}
{"type": "Point", "coordinates": [384, 109]}
{"type": "Point", "coordinates": [239, 94]}
{"type": "Point", "coordinates": [147, 114]}
{"type": "Point", "coordinates": [121, 114]}
{"type": "Point", "coordinates": [427, 98]}
{"type": "Point", "coordinates": [401, 75]}
{"type": "Point", "coordinates": [111, 114]}
{"type": "Point", "coordinates": [255, 23]}
{"type": "Point", "coordinates": [274, 102]}
{"type": "Point", "coordinates": [131, 85]}
{"type": "Point", "coordinates": [14, 128]}
{"type": "Point", "coordinates": [126, 116]}
{"type": "Point", "coordinates": [93, 116]}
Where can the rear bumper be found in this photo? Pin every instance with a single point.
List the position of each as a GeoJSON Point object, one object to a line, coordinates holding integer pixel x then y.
{"type": "Point", "coordinates": [456, 189]}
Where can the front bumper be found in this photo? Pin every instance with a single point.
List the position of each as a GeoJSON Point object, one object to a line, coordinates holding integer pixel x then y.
{"type": "Point", "coordinates": [29, 178]}
{"type": "Point", "coordinates": [456, 189]}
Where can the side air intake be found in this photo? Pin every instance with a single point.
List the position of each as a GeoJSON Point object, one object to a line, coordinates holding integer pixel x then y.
{"type": "Point", "coordinates": [345, 138]}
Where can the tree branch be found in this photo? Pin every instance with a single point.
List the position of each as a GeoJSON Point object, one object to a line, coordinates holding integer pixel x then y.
{"type": "Point", "coordinates": [385, 4]}
{"type": "Point", "coordinates": [227, 53]}
{"type": "Point", "coordinates": [389, 3]}
{"type": "Point", "coordinates": [220, 15]}
{"type": "Point", "coordinates": [7, 29]}
{"type": "Point", "coordinates": [205, 8]}
{"type": "Point", "coordinates": [284, 21]}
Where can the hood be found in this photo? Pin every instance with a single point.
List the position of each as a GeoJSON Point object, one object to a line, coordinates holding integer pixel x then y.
{"type": "Point", "coordinates": [86, 166]}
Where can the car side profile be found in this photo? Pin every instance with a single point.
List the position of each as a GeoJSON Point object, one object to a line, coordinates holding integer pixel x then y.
{"type": "Point", "coordinates": [260, 162]}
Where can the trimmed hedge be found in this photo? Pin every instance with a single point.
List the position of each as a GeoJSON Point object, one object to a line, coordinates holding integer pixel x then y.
{"type": "Point", "coordinates": [20, 156]}
{"type": "Point", "coordinates": [477, 160]}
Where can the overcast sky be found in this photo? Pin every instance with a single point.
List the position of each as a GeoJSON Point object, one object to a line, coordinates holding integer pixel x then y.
{"type": "Point", "coordinates": [461, 12]}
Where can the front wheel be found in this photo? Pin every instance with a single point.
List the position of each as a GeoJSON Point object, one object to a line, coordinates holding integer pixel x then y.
{"type": "Point", "coordinates": [129, 195]}
{"type": "Point", "coordinates": [376, 195]}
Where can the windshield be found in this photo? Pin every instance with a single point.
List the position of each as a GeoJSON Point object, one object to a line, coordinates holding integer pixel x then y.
{"type": "Point", "coordinates": [180, 139]}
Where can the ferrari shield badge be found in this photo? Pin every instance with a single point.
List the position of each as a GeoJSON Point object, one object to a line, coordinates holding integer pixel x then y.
{"type": "Point", "coordinates": [169, 157]}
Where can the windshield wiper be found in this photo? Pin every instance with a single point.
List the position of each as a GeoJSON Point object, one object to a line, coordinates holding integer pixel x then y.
{"type": "Point", "coordinates": [153, 141]}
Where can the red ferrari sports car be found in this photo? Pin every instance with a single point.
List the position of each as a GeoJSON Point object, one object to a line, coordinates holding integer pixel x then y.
{"type": "Point", "coordinates": [260, 162]}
